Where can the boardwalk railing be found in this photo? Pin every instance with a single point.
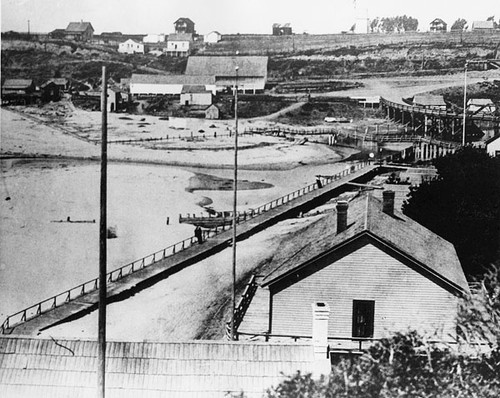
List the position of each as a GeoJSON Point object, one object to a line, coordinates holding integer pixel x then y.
{"type": "Point", "coordinates": [130, 268]}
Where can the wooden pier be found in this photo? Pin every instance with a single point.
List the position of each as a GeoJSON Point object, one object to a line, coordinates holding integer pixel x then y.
{"type": "Point", "coordinates": [138, 275]}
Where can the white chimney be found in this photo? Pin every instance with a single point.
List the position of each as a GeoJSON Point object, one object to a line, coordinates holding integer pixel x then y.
{"type": "Point", "coordinates": [321, 313]}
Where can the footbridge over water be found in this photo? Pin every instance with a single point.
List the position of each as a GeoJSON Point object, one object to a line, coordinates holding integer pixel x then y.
{"type": "Point", "coordinates": [127, 280]}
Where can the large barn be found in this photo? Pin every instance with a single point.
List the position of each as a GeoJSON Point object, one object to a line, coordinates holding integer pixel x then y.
{"type": "Point", "coordinates": [249, 73]}
{"type": "Point", "coordinates": [379, 272]}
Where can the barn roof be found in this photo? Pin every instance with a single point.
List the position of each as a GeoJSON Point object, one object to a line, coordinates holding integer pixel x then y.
{"type": "Point", "coordinates": [171, 79]}
{"type": "Point", "coordinates": [180, 37]}
{"type": "Point", "coordinates": [225, 66]}
{"type": "Point", "coordinates": [32, 367]}
{"type": "Point", "coordinates": [480, 101]}
{"type": "Point", "coordinates": [429, 100]}
{"type": "Point", "coordinates": [196, 88]}
{"type": "Point", "coordinates": [79, 27]}
{"type": "Point", "coordinates": [17, 84]}
{"type": "Point", "coordinates": [431, 253]}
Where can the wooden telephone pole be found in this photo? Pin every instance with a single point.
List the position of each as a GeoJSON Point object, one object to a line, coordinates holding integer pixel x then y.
{"type": "Point", "coordinates": [101, 372]}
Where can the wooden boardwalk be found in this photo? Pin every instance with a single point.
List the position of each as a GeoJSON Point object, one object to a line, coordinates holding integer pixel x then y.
{"type": "Point", "coordinates": [127, 281]}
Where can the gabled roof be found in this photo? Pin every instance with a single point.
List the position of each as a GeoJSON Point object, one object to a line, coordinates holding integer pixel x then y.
{"type": "Point", "coordinates": [427, 251]}
{"type": "Point", "coordinates": [79, 27]}
{"type": "Point", "coordinates": [225, 66]}
{"type": "Point", "coordinates": [197, 88]}
{"type": "Point", "coordinates": [183, 19]}
{"type": "Point", "coordinates": [429, 100]}
{"type": "Point", "coordinates": [180, 37]}
{"type": "Point", "coordinates": [480, 101]}
{"type": "Point", "coordinates": [438, 21]}
{"type": "Point", "coordinates": [171, 79]}
{"type": "Point", "coordinates": [131, 41]}
{"type": "Point", "coordinates": [483, 25]}
{"type": "Point", "coordinates": [492, 139]}
{"type": "Point", "coordinates": [32, 367]}
{"type": "Point", "coordinates": [17, 84]}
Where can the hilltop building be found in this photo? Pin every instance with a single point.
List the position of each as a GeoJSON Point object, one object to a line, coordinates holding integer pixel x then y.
{"type": "Point", "coordinates": [484, 26]}
{"type": "Point", "coordinates": [438, 25]}
{"type": "Point", "coordinates": [379, 272]}
{"type": "Point", "coordinates": [179, 44]}
{"type": "Point", "coordinates": [250, 77]}
{"type": "Point", "coordinates": [131, 47]}
{"type": "Point", "coordinates": [184, 25]}
{"type": "Point", "coordinates": [80, 31]}
{"type": "Point", "coordinates": [212, 37]}
{"type": "Point", "coordinates": [282, 30]}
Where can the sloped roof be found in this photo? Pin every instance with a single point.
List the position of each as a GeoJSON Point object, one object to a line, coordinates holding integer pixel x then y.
{"type": "Point", "coordinates": [171, 79]}
{"type": "Point", "coordinates": [197, 88]}
{"type": "Point", "coordinates": [79, 27]}
{"type": "Point", "coordinates": [180, 37]}
{"type": "Point", "coordinates": [31, 367]}
{"type": "Point", "coordinates": [225, 66]}
{"type": "Point", "coordinates": [480, 101]}
{"type": "Point", "coordinates": [492, 139]}
{"type": "Point", "coordinates": [429, 100]}
{"type": "Point", "coordinates": [438, 21]}
{"type": "Point", "coordinates": [483, 25]}
{"type": "Point", "coordinates": [14, 84]}
{"type": "Point", "coordinates": [428, 251]}
{"type": "Point", "coordinates": [184, 19]}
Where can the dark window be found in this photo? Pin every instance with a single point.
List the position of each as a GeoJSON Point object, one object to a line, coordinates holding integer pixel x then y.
{"type": "Point", "coordinates": [363, 312]}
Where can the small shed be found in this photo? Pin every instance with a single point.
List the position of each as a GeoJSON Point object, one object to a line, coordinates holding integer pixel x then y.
{"type": "Point", "coordinates": [82, 31]}
{"type": "Point", "coordinates": [195, 95]}
{"type": "Point", "coordinates": [212, 112]}
{"type": "Point", "coordinates": [483, 26]}
{"type": "Point", "coordinates": [50, 91]}
{"type": "Point", "coordinates": [493, 146]}
{"type": "Point", "coordinates": [481, 105]}
{"type": "Point", "coordinates": [18, 86]}
{"type": "Point", "coordinates": [430, 101]}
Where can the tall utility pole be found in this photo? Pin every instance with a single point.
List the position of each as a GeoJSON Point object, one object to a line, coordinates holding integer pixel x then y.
{"type": "Point", "coordinates": [235, 187]}
{"type": "Point", "coordinates": [465, 104]}
{"type": "Point", "coordinates": [101, 372]}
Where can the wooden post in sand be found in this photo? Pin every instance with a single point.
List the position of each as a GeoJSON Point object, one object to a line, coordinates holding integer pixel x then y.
{"type": "Point", "coordinates": [233, 326]}
{"type": "Point", "coordinates": [101, 372]}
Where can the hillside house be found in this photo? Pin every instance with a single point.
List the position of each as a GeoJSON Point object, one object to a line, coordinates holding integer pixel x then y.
{"type": "Point", "coordinates": [435, 102]}
{"type": "Point", "coordinates": [212, 37]}
{"type": "Point", "coordinates": [179, 44]}
{"type": "Point", "coordinates": [131, 47]}
{"type": "Point", "coordinates": [379, 272]}
{"type": "Point", "coordinates": [483, 26]}
{"type": "Point", "coordinates": [79, 31]}
{"type": "Point", "coordinates": [481, 106]}
{"type": "Point", "coordinates": [34, 367]}
{"type": "Point", "coordinates": [438, 25]}
{"type": "Point", "coordinates": [18, 86]}
{"type": "Point", "coordinates": [250, 77]}
{"type": "Point", "coordinates": [493, 146]}
{"type": "Point", "coordinates": [212, 112]}
{"type": "Point", "coordinates": [282, 30]}
{"type": "Point", "coordinates": [167, 84]}
{"type": "Point", "coordinates": [195, 95]}
{"type": "Point", "coordinates": [184, 25]}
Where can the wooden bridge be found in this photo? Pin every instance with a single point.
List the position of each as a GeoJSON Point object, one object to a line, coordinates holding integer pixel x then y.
{"type": "Point", "coordinates": [127, 280]}
{"type": "Point", "coordinates": [442, 124]}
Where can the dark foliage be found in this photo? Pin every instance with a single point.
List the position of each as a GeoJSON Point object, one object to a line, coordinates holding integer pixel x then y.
{"type": "Point", "coordinates": [462, 205]}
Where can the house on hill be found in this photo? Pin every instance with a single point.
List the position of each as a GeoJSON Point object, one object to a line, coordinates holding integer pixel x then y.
{"type": "Point", "coordinates": [80, 31]}
{"type": "Point", "coordinates": [282, 30]}
{"type": "Point", "coordinates": [212, 37]}
{"type": "Point", "coordinates": [249, 73]}
{"type": "Point", "coordinates": [184, 25]}
{"type": "Point", "coordinates": [438, 25]}
{"type": "Point", "coordinates": [378, 271]}
{"type": "Point", "coordinates": [179, 44]}
{"type": "Point", "coordinates": [131, 47]}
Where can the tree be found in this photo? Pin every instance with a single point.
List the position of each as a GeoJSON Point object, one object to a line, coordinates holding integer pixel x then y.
{"type": "Point", "coordinates": [394, 24]}
{"type": "Point", "coordinates": [462, 206]}
{"type": "Point", "coordinates": [459, 24]}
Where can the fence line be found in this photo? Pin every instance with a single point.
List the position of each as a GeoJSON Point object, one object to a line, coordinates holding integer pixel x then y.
{"type": "Point", "coordinates": [119, 273]}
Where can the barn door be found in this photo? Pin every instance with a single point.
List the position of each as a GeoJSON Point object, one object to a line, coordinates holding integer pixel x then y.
{"type": "Point", "coordinates": [363, 314]}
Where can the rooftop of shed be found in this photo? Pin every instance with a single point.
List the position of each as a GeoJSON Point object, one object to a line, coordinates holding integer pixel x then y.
{"type": "Point", "coordinates": [172, 79]}
{"type": "Point", "coordinates": [226, 66]}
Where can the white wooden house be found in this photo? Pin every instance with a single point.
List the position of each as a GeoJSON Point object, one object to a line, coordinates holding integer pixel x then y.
{"type": "Point", "coordinates": [131, 47]}
{"type": "Point", "coordinates": [195, 95]}
{"type": "Point", "coordinates": [379, 271]}
{"type": "Point", "coordinates": [212, 37]}
{"type": "Point", "coordinates": [179, 44]}
{"type": "Point", "coordinates": [493, 146]}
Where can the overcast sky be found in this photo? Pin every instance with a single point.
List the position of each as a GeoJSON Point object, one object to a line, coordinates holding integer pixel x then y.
{"type": "Point", "coordinates": [231, 16]}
